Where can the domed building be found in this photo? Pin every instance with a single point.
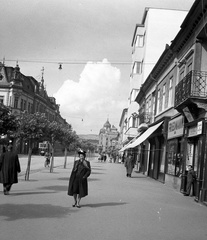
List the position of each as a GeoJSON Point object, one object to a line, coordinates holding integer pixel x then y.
{"type": "Point", "coordinates": [107, 137]}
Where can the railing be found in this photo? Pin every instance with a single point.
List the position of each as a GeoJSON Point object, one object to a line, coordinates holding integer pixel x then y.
{"type": "Point", "coordinates": [145, 117]}
{"type": "Point", "coordinates": [193, 85]}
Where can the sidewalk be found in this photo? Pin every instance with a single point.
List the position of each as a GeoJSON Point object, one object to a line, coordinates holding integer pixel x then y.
{"type": "Point", "coordinates": [117, 208]}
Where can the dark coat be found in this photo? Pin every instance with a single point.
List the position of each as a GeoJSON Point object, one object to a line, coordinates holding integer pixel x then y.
{"type": "Point", "coordinates": [83, 183]}
{"type": "Point", "coordinates": [9, 168]}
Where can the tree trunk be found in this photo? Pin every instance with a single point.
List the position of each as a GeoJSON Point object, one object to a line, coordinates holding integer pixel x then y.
{"type": "Point", "coordinates": [52, 160]}
{"type": "Point", "coordinates": [65, 163]}
{"type": "Point", "coordinates": [29, 162]}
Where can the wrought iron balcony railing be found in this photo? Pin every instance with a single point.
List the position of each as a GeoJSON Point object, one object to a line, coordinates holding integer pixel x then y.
{"type": "Point", "coordinates": [193, 85]}
{"type": "Point", "coordinates": [145, 117]}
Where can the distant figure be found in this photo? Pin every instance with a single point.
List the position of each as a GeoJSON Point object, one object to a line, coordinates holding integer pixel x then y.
{"type": "Point", "coordinates": [9, 169]}
{"type": "Point", "coordinates": [129, 164]}
{"type": "Point", "coordinates": [191, 177]}
{"type": "Point", "coordinates": [78, 184]}
{"type": "Point", "coordinates": [47, 159]}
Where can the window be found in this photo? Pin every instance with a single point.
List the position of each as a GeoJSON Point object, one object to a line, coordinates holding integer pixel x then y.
{"type": "Point", "coordinates": [133, 95]}
{"type": "Point", "coordinates": [181, 73]}
{"type": "Point", "coordinates": [2, 99]}
{"type": "Point", "coordinates": [139, 41]}
{"type": "Point", "coordinates": [170, 95]}
{"type": "Point", "coordinates": [137, 68]}
{"type": "Point", "coordinates": [163, 97]}
{"type": "Point", "coordinates": [22, 105]}
{"type": "Point", "coordinates": [16, 102]}
{"type": "Point", "coordinates": [158, 101]}
{"type": "Point", "coordinates": [189, 66]}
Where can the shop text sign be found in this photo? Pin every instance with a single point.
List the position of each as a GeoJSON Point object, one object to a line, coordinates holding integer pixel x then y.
{"type": "Point", "coordinates": [175, 127]}
{"type": "Point", "coordinates": [196, 130]}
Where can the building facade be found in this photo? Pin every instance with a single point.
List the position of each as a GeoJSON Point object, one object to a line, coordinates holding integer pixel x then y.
{"type": "Point", "coordinates": [176, 136]}
{"type": "Point", "coordinates": [108, 138]}
{"type": "Point", "coordinates": [25, 94]}
{"type": "Point", "coordinates": [147, 44]}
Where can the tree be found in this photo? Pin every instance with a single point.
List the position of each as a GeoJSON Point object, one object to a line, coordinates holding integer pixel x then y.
{"type": "Point", "coordinates": [8, 121]}
{"type": "Point", "coordinates": [31, 129]}
{"type": "Point", "coordinates": [68, 137]}
{"type": "Point", "coordinates": [53, 133]}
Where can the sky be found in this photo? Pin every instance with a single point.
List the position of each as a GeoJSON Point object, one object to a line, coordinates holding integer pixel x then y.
{"type": "Point", "coordinates": [91, 39]}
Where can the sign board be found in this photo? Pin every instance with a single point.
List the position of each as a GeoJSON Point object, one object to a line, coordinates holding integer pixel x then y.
{"type": "Point", "coordinates": [43, 145]}
{"type": "Point", "coordinates": [188, 114]}
{"type": "Point", "coordinates": [196, 130]}
{"type": "Point", "coordinates": [175, 127]}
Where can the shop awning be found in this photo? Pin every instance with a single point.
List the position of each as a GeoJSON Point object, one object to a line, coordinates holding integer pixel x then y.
{"type": "Point", "coordinates": [144, 136]}
{"type": "Point", "coordinates": [125, 147]}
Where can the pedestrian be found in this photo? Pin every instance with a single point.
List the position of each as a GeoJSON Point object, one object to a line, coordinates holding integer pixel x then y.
{"type": "Point", "coordinates": [78, 184]}
{"type": "Point", "coordinates": [129, 164]}
{"type": "Point", "coordinates": [9, 169]}
{"type": "Point", "coordinates": [191, 177]}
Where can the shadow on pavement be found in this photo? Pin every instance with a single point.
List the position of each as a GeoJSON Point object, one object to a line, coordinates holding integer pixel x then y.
{"type": "Point", "coordinates": [14, 212]}
{"type": "Point", "coordinates": [56, 188]}
{"type": "Point", "coordinates": [28, 193]}
{"type": "Point", "coordinates": [106, 204]}
{"type": "Point", "coordinates": [92, 172]}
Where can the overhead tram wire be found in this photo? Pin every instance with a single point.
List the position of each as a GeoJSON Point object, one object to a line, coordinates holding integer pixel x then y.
{"type": "Point", "coordinates": [74, 62]}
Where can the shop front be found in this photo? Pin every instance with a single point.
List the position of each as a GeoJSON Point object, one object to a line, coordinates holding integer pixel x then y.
{"type": "Point", "coordinates": [174, 153]}
{"type": "Point", "coordinates": [195, 154]}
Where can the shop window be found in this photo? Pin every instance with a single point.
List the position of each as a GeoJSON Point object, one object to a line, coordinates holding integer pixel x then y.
{"type": "Point", "coordinates": [174, 158]}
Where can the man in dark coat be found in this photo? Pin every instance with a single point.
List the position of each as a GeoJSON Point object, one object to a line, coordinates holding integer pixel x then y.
{"type": "Point", "coordinates": [9, 169]}
{"type": "Point", "coordinates": [78, 184]}
{"type": "Point", "coordinates": [191, 177]}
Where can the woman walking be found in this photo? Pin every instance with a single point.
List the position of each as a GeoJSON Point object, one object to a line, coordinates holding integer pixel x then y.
{"type": "Point", "coordinates": [9, 169]}
{"type": "Point", "coordinates": [78, 184]}
{"type": "Point", "coordinates": [129, 164]}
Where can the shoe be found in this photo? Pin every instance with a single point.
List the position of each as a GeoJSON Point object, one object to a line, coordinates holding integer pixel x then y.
{"type": "Point", "coordinates": [185, 194]}
{"type": "Point", "coordinates": [78, 206]}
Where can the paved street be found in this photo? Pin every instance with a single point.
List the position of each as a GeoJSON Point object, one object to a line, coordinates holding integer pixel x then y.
{"type": "Point", "coordinates": [117, 208]}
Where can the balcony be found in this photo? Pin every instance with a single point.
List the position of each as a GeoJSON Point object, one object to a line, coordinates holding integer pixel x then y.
{"type": "Point", "coordinates": [192, 87]}
{"type": "Point", "coordinates": [145, 117]}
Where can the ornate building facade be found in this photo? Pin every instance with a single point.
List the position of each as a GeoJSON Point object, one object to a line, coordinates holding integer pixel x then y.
{"type": "Point", "coordinates": [25, 94]}
{"type": "Point", "coordinates": [108, 138]}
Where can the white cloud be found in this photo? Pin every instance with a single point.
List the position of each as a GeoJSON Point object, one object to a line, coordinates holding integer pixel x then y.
{"type": "Point", "coordinates": [93, 98]}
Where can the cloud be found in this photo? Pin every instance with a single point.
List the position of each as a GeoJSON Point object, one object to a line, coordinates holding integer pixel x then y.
{"type": "Point", "coordinates": [88, 103]}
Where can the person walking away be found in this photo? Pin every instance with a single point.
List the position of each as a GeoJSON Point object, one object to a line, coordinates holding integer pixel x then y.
{"type": "Point", "coordinates": [47, 159]}
{"type": "Point", "coordinates": [78, 184]}
{"type": "Point", "coordinates": [129, 164]}
{"type": "Point", "coordinates": [191, 177]}
{"type": "Point", "coordinates": [9, 169]}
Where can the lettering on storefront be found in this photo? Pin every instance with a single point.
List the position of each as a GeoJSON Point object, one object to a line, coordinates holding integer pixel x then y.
{"type": "Point", "coordinates": [196, 130]}
{"type": "Point", "coordinates": [176, 127]}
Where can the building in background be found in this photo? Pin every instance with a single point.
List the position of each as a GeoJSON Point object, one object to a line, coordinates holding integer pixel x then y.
{"type": "Point", "coordinates": [108, 139]}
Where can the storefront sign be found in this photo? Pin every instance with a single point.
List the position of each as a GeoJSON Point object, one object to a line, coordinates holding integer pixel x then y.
{"type": "Point", "coordinates": [176, 127]}
{"type": "Point", "coordinates": [188, 114]}
{"type": "Point", "coordinates": [196, 130]}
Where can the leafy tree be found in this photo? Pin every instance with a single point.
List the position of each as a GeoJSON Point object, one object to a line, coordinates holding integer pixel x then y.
{"type": "Point", "coordinates": [8, 121]}
{"type": "Point", "coordinates": [68, 137]}
{"type": "Point", "coordinates": [32, 129]}
{"type": "Point", "coordinates": [53, 134]}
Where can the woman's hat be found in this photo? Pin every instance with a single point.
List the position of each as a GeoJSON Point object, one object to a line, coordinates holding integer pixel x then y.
{"type": "Point", "coordinates": [82, 152]}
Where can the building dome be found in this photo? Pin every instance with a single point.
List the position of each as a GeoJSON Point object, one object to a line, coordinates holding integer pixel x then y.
{"type": "Point", "coordinates": [107, 124]}
{"type": "Point", "coordinates": [102, 130]}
